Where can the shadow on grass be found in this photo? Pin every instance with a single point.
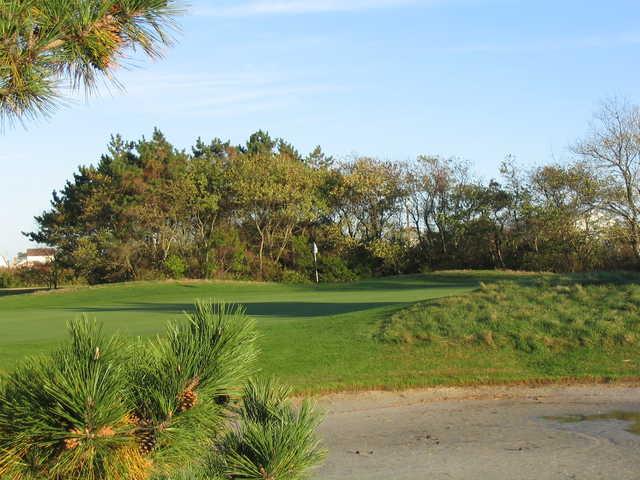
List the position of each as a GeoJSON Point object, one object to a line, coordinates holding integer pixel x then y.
{"type": "Point", "coordinates": [436, 280]}
{"type": "Point", "coordinates": [280, 309]}
{"type": "Point", "coordinates": [5, 292]}
{"type": "Point", "coordinates": [397, 283]}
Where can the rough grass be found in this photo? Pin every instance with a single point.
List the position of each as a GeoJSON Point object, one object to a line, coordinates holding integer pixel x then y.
{"type": "Point", "coordinates": [546, 314]}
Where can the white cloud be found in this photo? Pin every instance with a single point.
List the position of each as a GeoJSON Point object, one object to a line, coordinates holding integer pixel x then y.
{"type": "Point", "coordinates": [542, 45]}
{"type": "Point", "coordinates": [12, 157]}
{"type": "Point", "coordinates": [214, 94]}
{"type": "Point", "coordinates": [272, 7]}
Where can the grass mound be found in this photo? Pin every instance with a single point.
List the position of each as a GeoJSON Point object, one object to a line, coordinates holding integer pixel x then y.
{"type": "Point", "coordinates": [554, 313]}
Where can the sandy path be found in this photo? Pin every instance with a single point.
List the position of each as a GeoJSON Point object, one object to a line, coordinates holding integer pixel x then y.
{"type": "Point", "coordinates": [480, 433]}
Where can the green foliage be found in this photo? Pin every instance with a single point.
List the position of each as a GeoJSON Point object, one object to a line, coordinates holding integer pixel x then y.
{"type": "Point", "coordinates": [94, 409]}
{"type": "Point", "coordinates": [214, 348]}
{"type": "Point", "coordinates": [272, 438]}
{"type": "Point", "coordinates": [228, 258]}
{"type": "Point", "coordinates": [7, 279]}
{"type": "Point", "coordinates": [182, 382]}
{"type": "Point", "coordinates": [82, 41]}
{"type": "Point", "coordinates": [547, 315]}
{"type": "Point", "coordinates": [252, 211]}
{"type": "Point", "coordinates": [291, 276]}
{"type": "Point", "coordinates": [276, 193]}
{"type": "Point", "coordinates": [334, 269]}
{"type": "Point", "coordinates": [176, 266]}
{"type": "Point", "coordinates": [64, 415]}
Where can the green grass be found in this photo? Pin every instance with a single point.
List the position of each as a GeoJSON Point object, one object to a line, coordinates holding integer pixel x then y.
{"type": "Point", "coordinates": [572, 325]}
{"type": "Point", "coordinates": [341, 337]}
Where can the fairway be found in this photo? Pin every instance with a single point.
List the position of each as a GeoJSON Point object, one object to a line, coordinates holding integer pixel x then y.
{"type": "Point", "coordinates": [316, 338]}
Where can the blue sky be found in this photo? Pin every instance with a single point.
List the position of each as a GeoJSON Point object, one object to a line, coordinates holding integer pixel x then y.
{"type": "Point", "coordinates": [477, 79]}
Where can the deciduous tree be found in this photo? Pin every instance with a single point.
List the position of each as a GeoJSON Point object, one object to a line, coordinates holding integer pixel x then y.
{"type": "Point", "coordinates": [612, 148]}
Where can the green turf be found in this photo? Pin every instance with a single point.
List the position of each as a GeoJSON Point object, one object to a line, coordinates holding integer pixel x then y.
{"type": "Point", "coordinates": [316, 338]}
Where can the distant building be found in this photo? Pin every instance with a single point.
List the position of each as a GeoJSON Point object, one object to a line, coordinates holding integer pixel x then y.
{"type": "Point", "coordinates": [34, 256]}
{"type": "Point", "coordinates": [4, 263]}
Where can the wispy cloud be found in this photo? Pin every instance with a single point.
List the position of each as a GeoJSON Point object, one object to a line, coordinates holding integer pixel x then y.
{"type": "Point", "coordinates": [246, 8]}
{"type": "Point", "coordinates": [215, 94]}
{"type": "Point", "coordinates": [11, 157]}
{"type": "Point", "coordinates": [612, 40]}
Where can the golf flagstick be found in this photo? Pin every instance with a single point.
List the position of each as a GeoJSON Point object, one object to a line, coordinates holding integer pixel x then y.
{"type": "Point", "coordinates": [315, 260]}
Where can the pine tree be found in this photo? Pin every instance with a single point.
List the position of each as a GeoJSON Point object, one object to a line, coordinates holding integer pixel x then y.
{"type": "Point", "coordinates": [98, 409]}
{"type": "Point", "coordinates": [47, 43]}
{"type": "Point", "coordinates": [272, 440]}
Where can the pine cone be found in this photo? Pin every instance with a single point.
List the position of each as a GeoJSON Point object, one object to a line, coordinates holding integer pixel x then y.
{"type": "Point", "coordinates": [187, 400]}
{"type": "Point", "coordinates": [134, 419]}
{"type": "Point", "coordinates": [72, 442]}
{"type": "Point", "coordinates": [264, 474]}
{"type": "Point", "coordinates": [148, 441]}
{"type": "Point", "coordinates": [106, 432]}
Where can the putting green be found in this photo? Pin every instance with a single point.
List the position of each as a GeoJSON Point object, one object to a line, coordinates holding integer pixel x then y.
{"type": "Point", "coordinates": [291, 318]}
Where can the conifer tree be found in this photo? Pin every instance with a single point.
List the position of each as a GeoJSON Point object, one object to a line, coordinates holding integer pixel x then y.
{"type": "Point", "coordinates": [100, 409]}
{"type": "Point", "coordinates": [48, 44]}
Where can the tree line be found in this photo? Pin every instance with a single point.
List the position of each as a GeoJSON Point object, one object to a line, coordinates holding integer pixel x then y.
{"type": "Point", "coordinates": [150, 210]}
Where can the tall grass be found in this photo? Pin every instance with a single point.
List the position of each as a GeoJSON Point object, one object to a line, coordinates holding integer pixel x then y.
{"type": "Point", "coordinates": [544, 314]}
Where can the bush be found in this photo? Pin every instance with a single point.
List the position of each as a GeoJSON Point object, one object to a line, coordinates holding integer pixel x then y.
{"type": "Point", "coordinates": [176, 266]}
{"type": "Point", "coordinates": [228, 258]}
{"type": "Point", "coordinates": [291, 276]}
{"type": "Point", "coordinates": [34, 276]}
{"type": "Point", "coordinates": [98, 409]}
{"type": "Point", "coordinates": [7, 279]}
{"type": "Point", "coordinates": [333, 269]}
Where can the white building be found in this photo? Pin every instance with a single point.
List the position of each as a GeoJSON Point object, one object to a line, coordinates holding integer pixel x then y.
{"type": "Point", "coordinates": [34, 256]}
{"type": "Point", "coordinates": [4, 263]}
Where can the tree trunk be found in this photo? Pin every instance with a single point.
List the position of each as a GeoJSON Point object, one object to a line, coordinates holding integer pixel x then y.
{"type": "Point", "coordinates": [500, 257]}
{"type": "Point", "coordinates": [635, 241]}
{"type": "Point", "coordinates": [261, 255]}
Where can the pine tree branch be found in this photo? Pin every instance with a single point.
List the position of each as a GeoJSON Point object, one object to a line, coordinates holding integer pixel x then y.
{"type": "Point", "coordinates": [51, 40]}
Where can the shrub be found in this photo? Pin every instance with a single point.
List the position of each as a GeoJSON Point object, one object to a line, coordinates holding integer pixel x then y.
{"type": "Point", "coordinates": [96, 409]}
{"type": "Point", "coordinates": [291, 276]}
{"type": "Point", "coordinates": [63, 416]}
{"type": "Point", "coordinates": [7, 279]}
{"type": "Point", "coordinates": [331, 267]}
{"type": "Point", "coordinates": [176, 266]}
{"type": "Point", "coordinates": [228, 258]}
{"type": "Point", "coordinates": [34, 276]}
{"type": "Point", "coordinates": [335, 269]}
